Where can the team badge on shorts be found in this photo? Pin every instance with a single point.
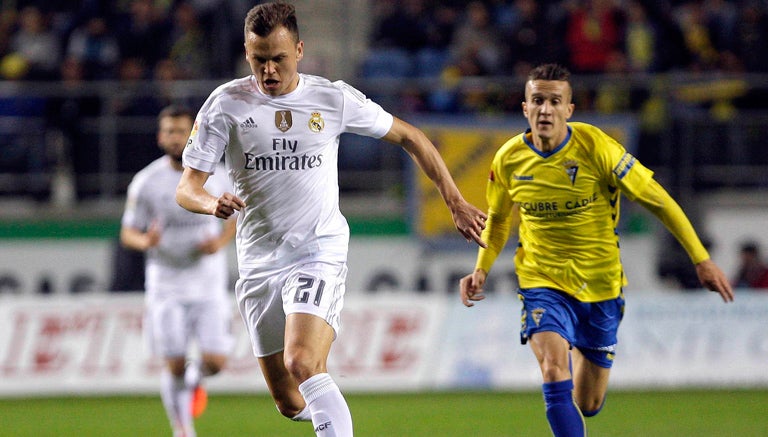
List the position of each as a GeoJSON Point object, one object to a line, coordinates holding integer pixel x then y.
{"type": "Point", "coordinates": [536, 315]}
{"type": "Point", "coordinates": [316, 122]}
{"type": "Point", "coordinates": [283, 120]}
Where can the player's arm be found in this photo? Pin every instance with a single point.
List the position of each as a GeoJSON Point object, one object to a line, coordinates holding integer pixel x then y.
{"type": "Point", "coordinates": [469, 220]}
{"type": "Point", "coordinates": [215, 244]}
{"type": "Point", "coordinates": [192, 196]}
{"type": "Point", "coordinates": [498, 228]}
{"type": "Point", "coordinates": [658, 201]}
{"type": "Point", "coordinates": [136, 239]}
{"type": "Point", "coordinates": [133, 235]}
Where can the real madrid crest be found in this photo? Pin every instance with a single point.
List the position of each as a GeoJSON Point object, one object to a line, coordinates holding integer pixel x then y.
{"type": "Point", "coordinates": [283, 120]}
{"type": "Point", "coordinates": [316, 122]}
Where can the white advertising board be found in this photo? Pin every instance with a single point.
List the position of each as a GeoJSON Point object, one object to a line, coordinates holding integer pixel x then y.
{"type": "Point", "coordinates": [93, 345]}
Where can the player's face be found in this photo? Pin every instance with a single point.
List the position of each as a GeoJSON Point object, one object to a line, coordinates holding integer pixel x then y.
{"type": "Point", "coordinates": [548, 107]}
{"type": "Point", "coordinates": [274, 60]}
{"type": "Point", "coordinates": [173, 134]}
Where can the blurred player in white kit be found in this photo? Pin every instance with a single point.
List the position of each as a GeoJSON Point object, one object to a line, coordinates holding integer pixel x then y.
{"type": "Point", "coordinates": [186, 300]}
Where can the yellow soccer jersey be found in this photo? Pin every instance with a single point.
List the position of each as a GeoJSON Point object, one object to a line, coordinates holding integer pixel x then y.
{"type": "Point", "coordinates": [569, 208]}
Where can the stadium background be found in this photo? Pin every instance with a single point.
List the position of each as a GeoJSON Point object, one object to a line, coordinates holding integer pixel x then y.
{"type": "Point", "coordinates": [689, 102]}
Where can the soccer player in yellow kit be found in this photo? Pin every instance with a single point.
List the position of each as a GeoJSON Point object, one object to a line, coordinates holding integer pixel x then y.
{"type": "Point", "coordinates": [558, 185]}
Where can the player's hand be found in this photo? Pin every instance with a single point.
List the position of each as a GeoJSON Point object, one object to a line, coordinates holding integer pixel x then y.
{"type": "Point", "coordinates": [209, 246]}
{"type": "Point", "coordinates": [714, 279]}
{"type": "Point", "coordinates": [470, 222]}
{"type": "Point", "coordinates": [226, 205]}
{"type": "Point", "coordinates": [471, 287]}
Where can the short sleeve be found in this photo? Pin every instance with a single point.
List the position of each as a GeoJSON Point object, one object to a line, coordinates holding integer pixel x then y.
{"type": "Point", "coordinates": [363, 116]}
{"type": "Point", "coordinates": [208, 138]}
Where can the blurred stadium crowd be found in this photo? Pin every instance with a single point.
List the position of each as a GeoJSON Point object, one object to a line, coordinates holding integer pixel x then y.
{"type": "Point", "coordinates": [119, 40]}
{"type": "Point", "coordinates": [199, 39]}
{"type": "Point", "coordinates": [454, 39]}
{"type": "Point", "coordinates": [649, 58]}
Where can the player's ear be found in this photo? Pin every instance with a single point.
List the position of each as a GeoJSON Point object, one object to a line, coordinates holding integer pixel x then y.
{"type": "Point", "coordinates": [525, 109]}
{"type": "Point", "coordinates": [571, 108]}
{"type": "Point", "coordinates": [299, 50]}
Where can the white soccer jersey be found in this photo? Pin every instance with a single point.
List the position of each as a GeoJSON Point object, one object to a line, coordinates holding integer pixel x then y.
{"type": "Point", "coordinates": [281, 154]}
{"type": "Point", "coordinates": [175, 267]}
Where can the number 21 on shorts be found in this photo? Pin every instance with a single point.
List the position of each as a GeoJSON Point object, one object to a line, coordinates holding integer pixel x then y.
{"type": "Point", "coordinates": [308, 287]}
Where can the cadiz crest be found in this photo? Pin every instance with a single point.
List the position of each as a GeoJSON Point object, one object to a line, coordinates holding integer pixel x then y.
{"type": "Point", "coordinates": [572, 168]}
{"type": "Point", "coordinates": [283, 120]}
{"type": "Point", "coordinates": [536, 315]}
{"type": "Point", "coordinates": [316, 122]}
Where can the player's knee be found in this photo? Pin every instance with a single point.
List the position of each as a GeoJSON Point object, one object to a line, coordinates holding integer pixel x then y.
{"type": "Point", "coordinates": [551, 371]}
{"type": "Point", "coordinates": [177, 367]}
{"type": "Point", "coordinates": [287, 409]}
{"type": "Point", "coordinates": [301, 364]}
{"type": "Point", "coordinates": [592, 406]}
{"type": "Point", "coordinates": [214, 365]}
{"type": "Point", "coordinates": [213, 368]}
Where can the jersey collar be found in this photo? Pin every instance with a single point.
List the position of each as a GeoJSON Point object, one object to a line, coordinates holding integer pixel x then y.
{"type": "Point", "coordinates": [546, 154]}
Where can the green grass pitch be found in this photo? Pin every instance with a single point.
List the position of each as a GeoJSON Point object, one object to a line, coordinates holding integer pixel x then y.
{"type": "Point", "coordinates": [709, 413]}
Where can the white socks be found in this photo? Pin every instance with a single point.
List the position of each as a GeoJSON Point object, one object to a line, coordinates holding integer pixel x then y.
{"type": "Point", "coordinates": [192, 374]}
{"type": "Point", "coordinates": [176, 398]}
{"type": "Point", "coordinates": [330, 413]}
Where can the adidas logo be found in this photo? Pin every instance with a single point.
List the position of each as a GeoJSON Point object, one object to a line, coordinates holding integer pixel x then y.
{"type": "Point", "coordinates": [248, 124]}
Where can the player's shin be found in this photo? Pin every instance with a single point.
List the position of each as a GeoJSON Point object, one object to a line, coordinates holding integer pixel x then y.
{"type": "Point", "coordinates": [330, 413]}
{"type": "Point", "coordinates": [564, 416]}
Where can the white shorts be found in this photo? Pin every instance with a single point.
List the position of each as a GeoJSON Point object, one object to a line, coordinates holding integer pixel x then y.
{"type": "Point", "coordinates": [314, 288]}
{"type": "Point", "coordinates": [171, 325]}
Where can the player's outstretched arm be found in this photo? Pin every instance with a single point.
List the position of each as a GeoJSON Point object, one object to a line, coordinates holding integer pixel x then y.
{"type": "Point", "coordinates": [192, 196]}
{"type": "Point", "coordinates": [469, 220]}
{"type": "Point", "coordinates": [658, 201]}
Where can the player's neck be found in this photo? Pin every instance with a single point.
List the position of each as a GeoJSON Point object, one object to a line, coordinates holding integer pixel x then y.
{"type": "Point", "coordinates": [548, 144]}
{"type": "Point", "coordinates": [544, 144]}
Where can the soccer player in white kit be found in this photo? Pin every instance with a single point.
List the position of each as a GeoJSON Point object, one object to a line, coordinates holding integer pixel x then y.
{"type": "Point", "coordinates": [279, 133]}
{"type": "Point", "coordinates": [186, 273]}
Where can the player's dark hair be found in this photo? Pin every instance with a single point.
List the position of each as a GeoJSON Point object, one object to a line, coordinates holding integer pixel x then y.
{"type": "Point", "coordinates": [264, 18]}
{"type": "Point", "coordinates": [550, 72]}
{"type": "Point", "coordinates": [750, 247]}
{"type": "Point", "coordinates": [175, 111]}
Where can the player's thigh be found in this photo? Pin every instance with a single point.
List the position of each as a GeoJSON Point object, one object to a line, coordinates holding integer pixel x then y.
{"type": "Point", "coordinates": [212, 325]}
{"type": "Point", "coordinates": [308, 340]}
{"type": "Point", "coordinates": [551, 351]}
{"type": "Point", "coordinates": [590, 382]}
{"type": "Point", "coordinates": [166, 327]}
